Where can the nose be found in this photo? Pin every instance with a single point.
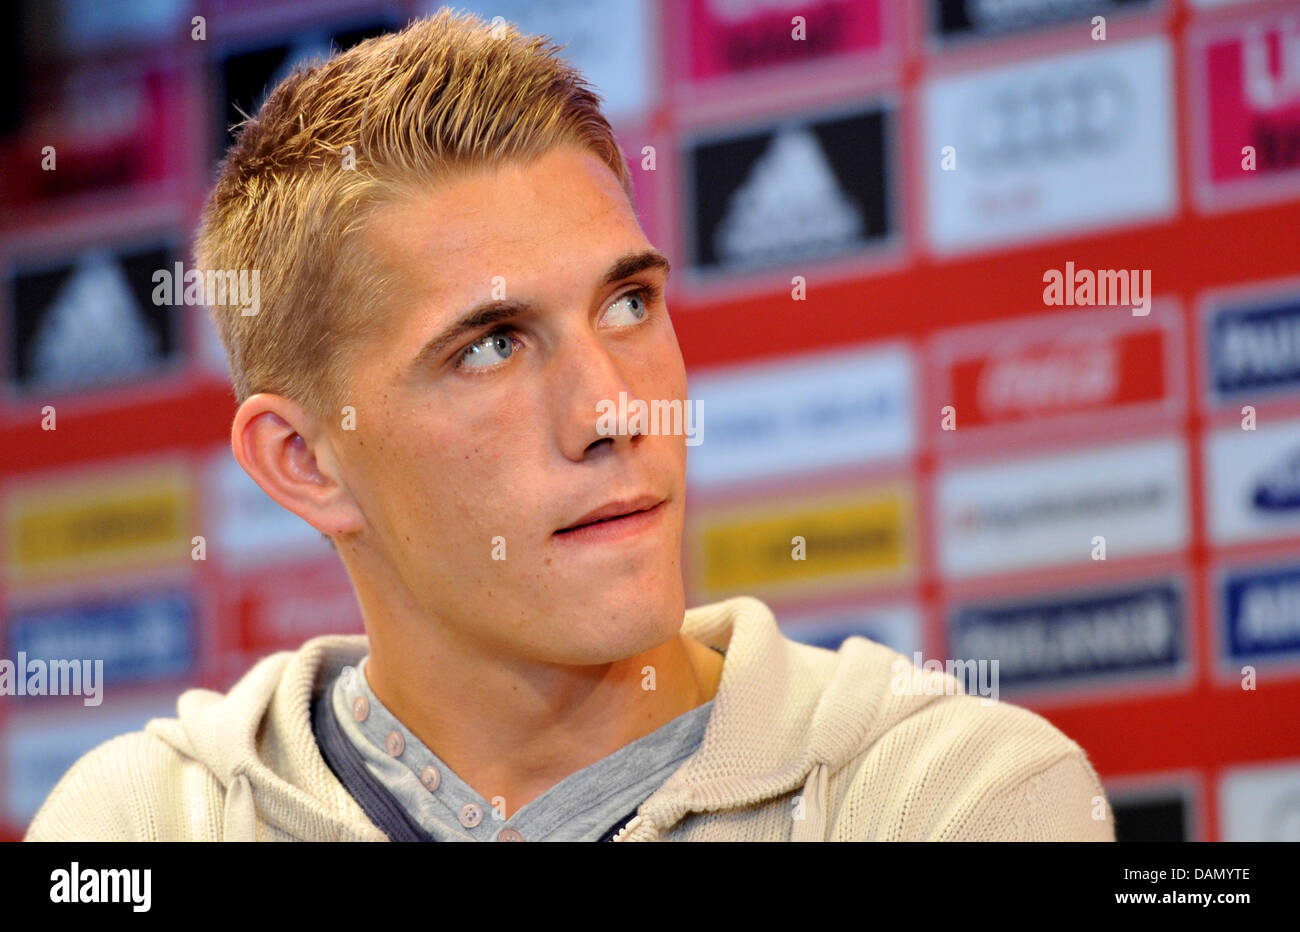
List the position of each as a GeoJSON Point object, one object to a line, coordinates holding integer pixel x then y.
{"type": "Point", "coordinates": [593, 399]}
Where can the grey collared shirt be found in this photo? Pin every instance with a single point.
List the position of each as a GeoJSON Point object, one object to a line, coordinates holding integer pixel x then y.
{"type": "Point", "coordinates": [581, 807]}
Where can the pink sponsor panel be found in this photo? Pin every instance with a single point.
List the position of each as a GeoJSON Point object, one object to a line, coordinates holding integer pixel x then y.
{"type": "Point", "coordinates": [1246, 109]}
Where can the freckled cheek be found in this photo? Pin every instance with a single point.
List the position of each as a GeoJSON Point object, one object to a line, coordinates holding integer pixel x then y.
{"type": "Point", "coordinates": [418, 470]}
{"type": "Point", "coordinates": [475, 486]}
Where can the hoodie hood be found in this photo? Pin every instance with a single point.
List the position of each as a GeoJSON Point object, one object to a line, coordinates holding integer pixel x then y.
{"type": "Point", "coordinates": [258, 743]}
{"type": "Point", "coordinates": [786, 717]}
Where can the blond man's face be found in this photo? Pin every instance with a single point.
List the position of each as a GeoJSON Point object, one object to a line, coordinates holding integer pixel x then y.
{"type": "Point", "coordinates": [468, 460]}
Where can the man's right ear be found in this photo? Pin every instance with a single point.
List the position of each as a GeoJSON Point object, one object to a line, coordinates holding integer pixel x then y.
{"type": "Point", "coordinates": [287, 452]}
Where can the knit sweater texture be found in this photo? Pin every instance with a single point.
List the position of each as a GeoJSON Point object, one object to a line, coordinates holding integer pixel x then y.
{"type": "Point", "coordinates": [803, 744]}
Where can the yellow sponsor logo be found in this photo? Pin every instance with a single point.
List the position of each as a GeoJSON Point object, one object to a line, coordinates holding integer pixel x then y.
{"type": "Point", "coordinates": [73, 526]}
{"type": "Point", "coordinates": [864, 536]}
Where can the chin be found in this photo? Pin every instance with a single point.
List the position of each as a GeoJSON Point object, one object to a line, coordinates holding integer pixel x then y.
{"type": "Point", "coordinates": [625, 623]}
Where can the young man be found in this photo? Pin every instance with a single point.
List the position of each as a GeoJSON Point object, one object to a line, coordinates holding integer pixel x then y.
{"type": "Point", "coordinates": [453, 280]}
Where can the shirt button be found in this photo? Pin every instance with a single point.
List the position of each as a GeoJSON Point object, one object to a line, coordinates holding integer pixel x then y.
{"type": "Point", "coordinates": [360, 708]}
{"type": "Point", "coordinates": [430, 777]}
{"type": "Point", "coordinates": [509, 834]}
{"type": "Point", "coordinates": [470, 815]}
{"type": "Point", "coordinates": [395, 744]}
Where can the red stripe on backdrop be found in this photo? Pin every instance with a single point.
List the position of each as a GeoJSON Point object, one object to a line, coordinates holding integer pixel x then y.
{"type": "Point", "coordinates": [1183, 257]}
{"type": "Point", "coordinates": [1220, 726]}
{"type": "Point", "coordinates": [1209, 731]}
{"type": "Point", "coordinates": [193, 421]}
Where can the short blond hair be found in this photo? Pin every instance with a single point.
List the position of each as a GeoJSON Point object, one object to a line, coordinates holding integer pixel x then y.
{"type": "Point", "coordinates": [448, 92]}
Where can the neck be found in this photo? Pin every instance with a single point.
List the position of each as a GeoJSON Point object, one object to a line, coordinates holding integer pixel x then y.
{"type": "Point", "coordinates": [513, 728]}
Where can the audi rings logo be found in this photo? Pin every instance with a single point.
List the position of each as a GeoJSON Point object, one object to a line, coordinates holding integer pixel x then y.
{"type": "Point", "coordinates": [1048, 119]}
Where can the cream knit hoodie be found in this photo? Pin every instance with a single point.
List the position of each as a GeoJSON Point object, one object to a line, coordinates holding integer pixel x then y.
{"type": "Point", "coordinates": [804, 744]}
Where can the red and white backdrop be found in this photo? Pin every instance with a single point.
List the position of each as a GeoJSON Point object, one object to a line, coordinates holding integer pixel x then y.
{"type": "Point", "coordinates": [862, 201]}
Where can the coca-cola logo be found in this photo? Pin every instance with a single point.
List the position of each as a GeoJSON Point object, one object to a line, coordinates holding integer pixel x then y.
{"type": "Point", "coordinates": [1073, 372]}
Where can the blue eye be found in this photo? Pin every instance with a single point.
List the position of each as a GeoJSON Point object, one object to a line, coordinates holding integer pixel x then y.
{"type": "Point", "coordinates": [635, 302]}
{"type": "Point", "coordinates": [490, 351]}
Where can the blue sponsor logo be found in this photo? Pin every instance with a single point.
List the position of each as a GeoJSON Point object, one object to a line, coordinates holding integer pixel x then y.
{"type": "Point", "coordinates": [1067, 640]}
{"type": "Point", "coordinates": [1261, 613]}
{"type": "Point", "coordinates": [1255, 347]}
{"type": "Point", "coordinates": [1278, 489]}
{"type": "Point", "coordinates": [142, 637]}
{"type": "Point", "coordinates": [864, 412]}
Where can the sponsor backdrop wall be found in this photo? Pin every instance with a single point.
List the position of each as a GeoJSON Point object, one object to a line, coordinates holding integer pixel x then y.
{"type": "Point", "coordinates": [995, 322]}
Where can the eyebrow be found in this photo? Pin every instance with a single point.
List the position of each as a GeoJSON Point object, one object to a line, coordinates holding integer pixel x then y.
{"type": "Point", "coordinates": [494, 312]}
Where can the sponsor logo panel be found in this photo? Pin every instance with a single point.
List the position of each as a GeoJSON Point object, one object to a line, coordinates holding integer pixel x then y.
{"type": "Point", "coordinates": [805, 413]}
{"type": "Point", "coordinates": [1248, 95]}
{"type": "Point", "coordinates": [848, 538]}
{"type": "Point", "coordinates": [1033, 144]}
{"type": "Point", "coordinates": [39, 748]}
{"type": "Point", "coordinates": [1254, 347]}
{"type": "Point", "coordinates": [125, 519]}
{"type": "Point", "coordinates": [729, 37]}
{"type": "Point", "coordinates": [140, 637]}
{"type": "Point", "coordinates": [1154, 813]}
{"type": "Point", "coordinates": [609, 41]}
{"type": "Point", "coordinates": [954, 19]}
{"type": "Point", "coordinates": [1079, 638]}
{"type": "Point", "coordinates": [110, 127]}
{"type": "Point", "coordinates": [802, 189]}
{"type": "Point", "coordinates": [89, 321]}
{"type": "Point", "coordinates": [1048, 510]}
{"type": "Point", "coordinates": [1049, 370]}
{"type": "Point", "coordinates": [1260, 803]}
{"type": "Point", "coordinates": [1253, 479]}
{"type": "Point", "coordinates": [1260, 615]}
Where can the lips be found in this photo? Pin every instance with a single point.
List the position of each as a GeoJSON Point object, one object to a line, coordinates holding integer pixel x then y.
{"type": "Point", "coordinates": [614, 509]}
